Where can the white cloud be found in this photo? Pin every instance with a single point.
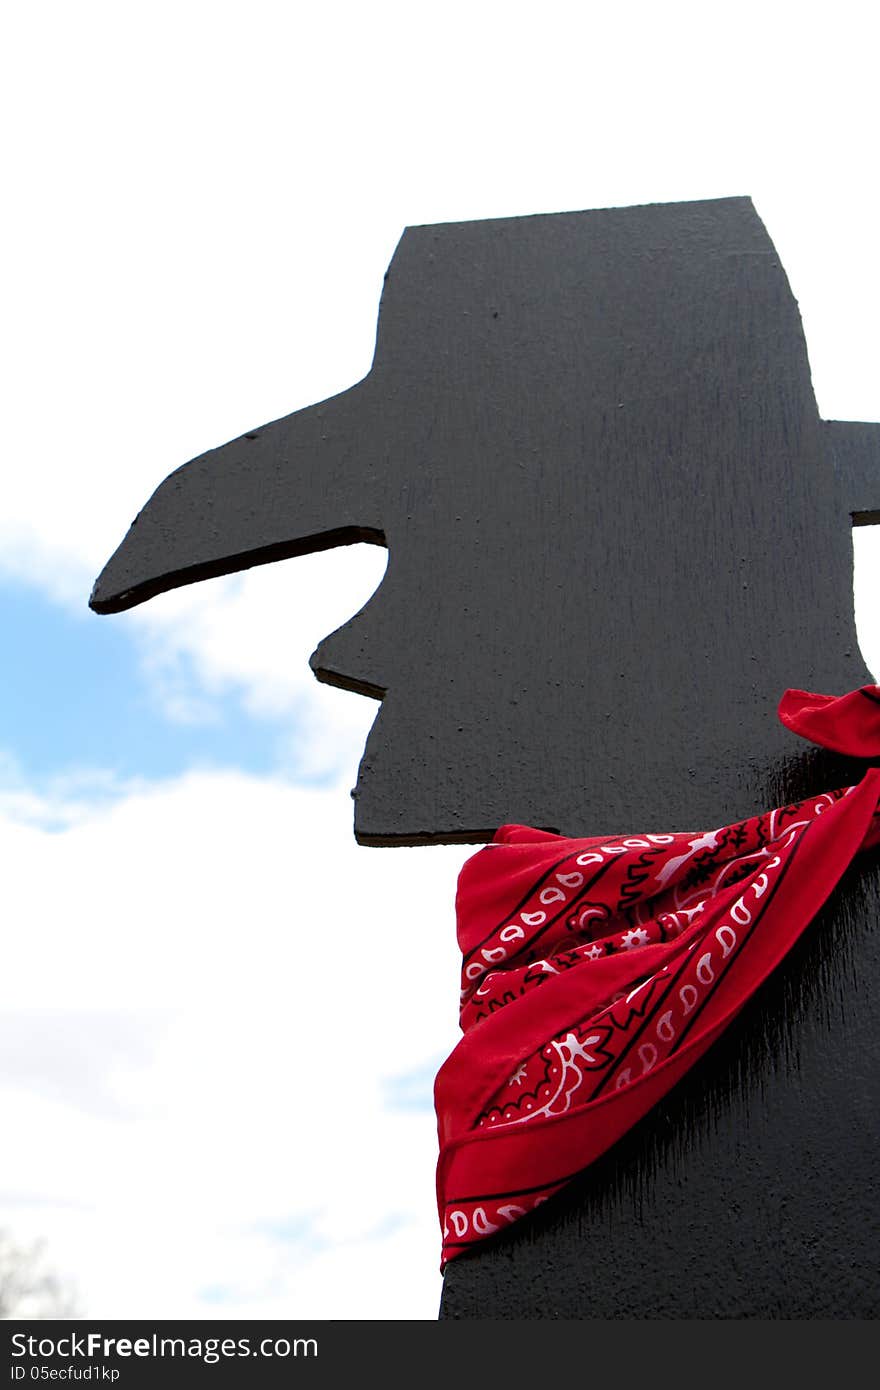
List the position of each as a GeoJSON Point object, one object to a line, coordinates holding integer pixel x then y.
{"type": "Point", "coordinates": [251, 635]}
{"type": "Point", "coordinates": [866, 547]}
{"type": "Point", "coordinates": [207, 990]}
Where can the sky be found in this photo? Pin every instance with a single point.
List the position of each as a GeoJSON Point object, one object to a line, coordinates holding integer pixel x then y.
{"type": "Point", "coordinates": [202, 200]}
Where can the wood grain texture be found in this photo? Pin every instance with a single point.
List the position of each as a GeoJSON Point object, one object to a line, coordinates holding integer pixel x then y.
{"type": "Point", "coordinates": [617, 531]}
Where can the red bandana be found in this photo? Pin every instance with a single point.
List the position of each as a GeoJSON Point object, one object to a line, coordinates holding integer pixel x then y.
{"type": "Point", "coordinates": [645, 947]}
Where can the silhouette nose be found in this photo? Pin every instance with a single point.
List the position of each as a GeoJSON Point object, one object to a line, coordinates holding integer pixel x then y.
{"type": "Point", "coordinates": [294, 486]}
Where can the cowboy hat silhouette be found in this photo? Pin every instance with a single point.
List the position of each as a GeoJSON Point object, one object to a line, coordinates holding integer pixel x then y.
{"type": "Point", "coordinates": [617, 527]}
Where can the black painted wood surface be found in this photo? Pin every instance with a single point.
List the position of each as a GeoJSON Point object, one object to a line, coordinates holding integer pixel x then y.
{"type": "Point", "coordinates": [617, 530]}
{"type": "Point", "coordinates": [590, 443]}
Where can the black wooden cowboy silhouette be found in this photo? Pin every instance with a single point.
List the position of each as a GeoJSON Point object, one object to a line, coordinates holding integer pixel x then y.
{"type": "Point", "coordinates": [617, 530]}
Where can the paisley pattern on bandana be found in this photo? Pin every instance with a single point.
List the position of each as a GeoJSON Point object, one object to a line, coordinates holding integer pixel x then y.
{"type": "Point", "coordinates": [596, 971]}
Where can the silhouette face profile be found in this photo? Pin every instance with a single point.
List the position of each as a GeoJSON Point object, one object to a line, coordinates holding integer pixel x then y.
{"type": "Point", "coordinates": [617, 527]}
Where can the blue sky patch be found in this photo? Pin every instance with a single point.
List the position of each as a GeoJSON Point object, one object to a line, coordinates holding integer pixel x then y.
{"type": "Point", "coordinates": [73, 697]}
{"type": "Point", "coordinates": [411, 1090]}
